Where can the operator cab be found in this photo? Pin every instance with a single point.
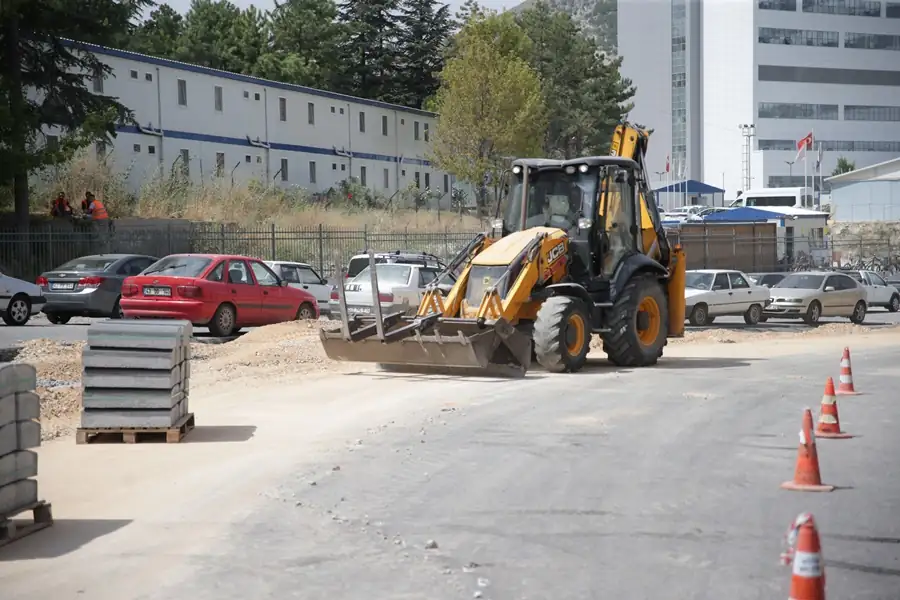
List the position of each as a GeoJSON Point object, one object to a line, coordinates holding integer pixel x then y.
{"type": "Point", "coordinates": [594, 200]}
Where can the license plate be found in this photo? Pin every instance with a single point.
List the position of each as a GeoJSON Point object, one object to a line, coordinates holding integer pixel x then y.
{"type": "Point", "coordinates": [158, 291]}
{"type": "Point", "coordinates": [62, 286]}
{"type": "Point", "coordinates": [359, 310]}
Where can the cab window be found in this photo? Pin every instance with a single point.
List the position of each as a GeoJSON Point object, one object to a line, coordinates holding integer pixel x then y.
{"type": "Point", "coordinates": [218, 273]}
{"type": "Point", "coordinates": [238, 273]}
{"type": "Point", "coordinates": [308, 276]}
{"type": "Point", "coordinates": [876, 279]}
{"type": "Point", "coordinates": [264, 276]}
{"type": "Point", "coordinates": [721, 282]}
{"type": "Point", "coordinates": [737, 281]}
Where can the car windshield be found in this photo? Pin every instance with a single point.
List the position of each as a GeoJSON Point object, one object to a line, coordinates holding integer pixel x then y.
{"type": "Point", "coordinates": [178, 266]}
{"type": "Point", "coordinates": [698, 281]}
{"type": "Point", "coordinates": [88, 263]}
{"type": "Point", "coordinates": [387, 273]}
{"type": "Point", "coordinates": [801, 282]}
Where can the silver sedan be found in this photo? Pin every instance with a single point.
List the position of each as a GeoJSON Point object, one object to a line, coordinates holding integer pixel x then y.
{"type": "Point", "coordinates": [812, 295]}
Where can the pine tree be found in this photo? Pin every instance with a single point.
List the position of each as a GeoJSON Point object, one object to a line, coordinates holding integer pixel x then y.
{"type": "Point", "coordinates": [305, 39]}
{"type": "Point", "coordinates": [159, 34]}
{"type": "Point", "coordinates": [425, 27]}
{"type": "Point", "coordinates": [368, 48]}
{"type": "Point", "coordinates": [44, 82]}
{"type": "Point", "coordinates": [205, 39]}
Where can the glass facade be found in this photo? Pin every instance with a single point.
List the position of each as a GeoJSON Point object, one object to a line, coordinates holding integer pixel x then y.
{"type": "Point", "coordinates": [679, 86]}
{"type": "Point", "coordinates": [780, 110]}
{"type": "Point", "coordinates": [785, 5]}
{"type": "Point", "coordinates": [799, 37]}
{"type": "Point", "coordinates": [856, 8]}
{"type": "Point", "coordinates": [871, 41]}
{"type": "Point", "coordinates": [833, 145]}
{"type": "Point", "coordinates": [872, 113]}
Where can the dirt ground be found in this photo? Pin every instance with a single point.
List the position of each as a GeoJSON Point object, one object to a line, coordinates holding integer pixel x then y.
{"type": "Point", "coordinates": [286, 350]}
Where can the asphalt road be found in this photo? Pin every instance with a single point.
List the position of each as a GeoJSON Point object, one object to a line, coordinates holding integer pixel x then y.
{"type": "Point", "coordinates": [660, 483]}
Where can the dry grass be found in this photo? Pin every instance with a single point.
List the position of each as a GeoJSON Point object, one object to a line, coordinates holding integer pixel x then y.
{"type": "Point", "coordinates": [169, 195]}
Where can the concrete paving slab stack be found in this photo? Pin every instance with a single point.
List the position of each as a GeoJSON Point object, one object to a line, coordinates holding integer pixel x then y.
{"type": "Point", "coordinates": [136, 373]}
{"type": "Point", "coordinates": [20, 409]}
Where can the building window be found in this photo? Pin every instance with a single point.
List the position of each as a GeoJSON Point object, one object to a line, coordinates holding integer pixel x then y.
{"type": "Point", "coordinates": [256, 96]}
{"type": "Point", "coordinates": [384, 125]}
{"type": "Point", "coordinates": [362, 122]}
{"type": "Point", "coordinates": [98, 81]}
{"type": "Point", "coordinates": [284, 169]}
{"type": "Point", "coordinates": [247, 94]}
{"type": "Point", "coordinates": [151, 149]}
{"type": "Point", "coordinates": [220, 164]}
{"type": "Point", "coordinates": [342, 111]}
{"type": "Point", "coordinates": [247, 158]}
{"type": "Point", "coordinates": [136, 147]}
{"type": "Point", "coordinates": [334, 166]}
{"type": "Point", "coordinates": [446, 183]}
{"type": "Point", "coordinates": [834, 146]}
{"type": "Point", "coordinates": [427, 181]}
{"type": "Point", "coordinates": [892, 10]}
{"type": "Point", "coordinates": [52, 143]}
{"type": "Point", "coordinates": [418, 183]}
{"type": "Point", "coordinates": [332, 110]}
{"type": "Point", "coordinates": [425, 127]}
{"type": "Point", "coordinates": [182, 92]}
{"type": "Point", "coordinates": [312, 172]}
{"type": "Point", "coordinates": [403, 173]}
{"type": "Point", "coordinates": [416, 130]}
{"type": "Point", "coordinates": [343, 167]}
{"type": "Point", "coordinates": [785, 5]}
{"type": "Point", "coordinates": [218, 97]}
{"type": "Point", "coordinates": [799, 37]}
{"type": "Point", "coordinates": [387, 178]}
{"type": "Point", "coordinates": [258, 159]}
{"type": "Point", "coordinates": [872, 113]}
{"type": "Point", "coordinates": [362, 176]}
{"type": "Point", "coordinates": [311, 113]}
{"type": "Point", "coordinates": [186, 162]}
{"type": "Point", "coordinates": [856, 8]}
{"type": "Point", "coordinates": [826, 75]}
{"type": "Point", "coordinates": [282, 109]}
{"type": "Point", "coordinates": [148, 76]}
{"type": "Point", "coordinates": [133, 74]}
{"type": "Point", "coordinates": [872, 41]}
{"type": "Point", "coordinates": [779, 110]}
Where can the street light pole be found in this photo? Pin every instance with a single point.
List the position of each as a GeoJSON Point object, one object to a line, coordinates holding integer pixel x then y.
{"type": "Point", "coordinates": [790, 165]}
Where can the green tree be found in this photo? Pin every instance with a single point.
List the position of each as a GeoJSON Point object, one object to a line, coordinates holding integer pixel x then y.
{"type": "Point", "coordinates": [305, 41]}
{"type": "Point", "coordinates": [490, 101]}
{"type": "Point", "coordinates": [206, 37]}
{"type": "Point", "coordinates": [159, 34]}
{"type": "Point", "coordinates": [584, 92]}
{"type": "Point", "coordinates": [368, 48]}
{"type": "Point", "coordinates": [248, 41]}
{"type": "Point", "coordinates": [43, 83]}
{"type": "Point", "coordinates": [469, 9]}
{"type": "Point", "coordinates": [843, 166]}
{"type": "Point", "coordinates": [425, 27]}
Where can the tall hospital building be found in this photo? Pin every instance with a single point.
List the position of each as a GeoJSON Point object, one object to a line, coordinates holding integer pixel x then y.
{"type": "Point", "coordinates": [704, 68]}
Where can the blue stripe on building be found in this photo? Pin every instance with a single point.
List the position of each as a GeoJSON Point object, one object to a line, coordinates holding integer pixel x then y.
{"type": "Point", "coordinates": [174, 64]}
{"type": "Point", "coordinates": [218, 139]}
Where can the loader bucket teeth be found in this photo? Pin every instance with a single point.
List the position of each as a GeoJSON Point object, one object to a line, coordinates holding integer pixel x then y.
{"type": "Point", "coordinates": [435, 344]}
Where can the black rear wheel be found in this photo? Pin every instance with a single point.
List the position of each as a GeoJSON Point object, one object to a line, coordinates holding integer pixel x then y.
{"type": "Point", "coordinates": [562, 334]}
{"type": "Point", "coordinates": [638, 323]}
{"type": "Point", "coordinates": [58, 319]}
{"type": "Point", "coordinates": [223, 322]}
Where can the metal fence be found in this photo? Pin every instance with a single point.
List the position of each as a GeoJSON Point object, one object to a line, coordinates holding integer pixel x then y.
{"type": "Point", "coordinates": [327, 249]}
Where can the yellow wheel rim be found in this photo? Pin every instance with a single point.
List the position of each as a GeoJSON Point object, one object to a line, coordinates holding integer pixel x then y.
{"type": "Point", "coordinates": [649, 335]}
{"type": "Point", "coordinates": [575, 334]}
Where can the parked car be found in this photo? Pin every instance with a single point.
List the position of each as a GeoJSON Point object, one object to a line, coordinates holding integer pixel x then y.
{"type": "Point", "coordinates": [711, 293]}
{"type": "Point", "coordinates": [698, 216]}
{"type": "Point", "coordinates": [90, 286]}
{"type": "Point", "coordinates": [878, 291]}
{"type": "Point", "coordinates": [682, 212]}
{"type": "Point", "coordinates": [811, 295]}
{"type": "Point", "coordinates": [360, 261]}
{"type": "Point", "coordinates": [400, 288]}
{"type": "Point", "coordinates": [766, 279]}
{"type": "Point", "coordinates": [303, 276]}
{"type": "Point", "coordinates": [19, 300]}
{"type": "Point", "coordinates": [221, 292]}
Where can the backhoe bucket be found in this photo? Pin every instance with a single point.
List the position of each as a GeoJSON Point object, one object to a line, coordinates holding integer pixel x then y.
{"type": "Point", "coordinates": [415, 343]}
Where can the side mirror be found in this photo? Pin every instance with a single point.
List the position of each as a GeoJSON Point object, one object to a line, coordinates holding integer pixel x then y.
{"type": "Point", "coordinates": [829, 288]}
{"type": "Point", "coordinates": [283, 283]}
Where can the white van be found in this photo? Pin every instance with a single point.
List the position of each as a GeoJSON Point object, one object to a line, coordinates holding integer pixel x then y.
{"type": "Point", "coordinates": [797, 197]}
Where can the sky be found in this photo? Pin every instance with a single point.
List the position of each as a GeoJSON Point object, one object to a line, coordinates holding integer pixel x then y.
{"type": "Point", "coordinates": [183, 5]}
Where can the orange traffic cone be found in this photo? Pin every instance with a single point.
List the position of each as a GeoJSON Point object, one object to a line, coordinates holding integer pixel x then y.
{"type": "Point", "coordinates": [845, 385]}
{"type": "Point", "coordinates": [805, 556]}
{"type": "Point", "coordinates": [806, 474]}
{"type": "Point", "coordinates": [829, 425]}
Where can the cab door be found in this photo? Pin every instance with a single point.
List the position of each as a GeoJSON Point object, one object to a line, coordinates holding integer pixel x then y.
{"type": "Point", "coordinates": [722, 296]}
{"type": "Point", "coordinates": [275, 304]}
{"type": "Point", "coordinates": [879, 291]}
{"type": "Point", "coordinates": [244, 293]}
{"type": "Point", "coordinates": [741, 292]}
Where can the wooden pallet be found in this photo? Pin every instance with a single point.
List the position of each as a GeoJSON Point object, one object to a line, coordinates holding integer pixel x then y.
{"type": "Point", "coordinates": [41, 518]}
{"type": "Point", "coordinates": [132, 435]}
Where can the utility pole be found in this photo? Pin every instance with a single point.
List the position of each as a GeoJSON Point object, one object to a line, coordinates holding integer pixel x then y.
{"type": "Point", "coordinates": [659, 174]}
{"type": "Point", "coordinates": [749, 132]}
{"type": "Point", "coordinates": [790, 165]}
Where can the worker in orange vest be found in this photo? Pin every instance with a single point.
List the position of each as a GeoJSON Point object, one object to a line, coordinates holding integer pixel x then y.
{"type": "Point", "coordinates": [94, 207]}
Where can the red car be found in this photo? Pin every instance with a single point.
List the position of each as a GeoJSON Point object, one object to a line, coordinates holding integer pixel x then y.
{"type": "Point", "coordinates": [223, 293]}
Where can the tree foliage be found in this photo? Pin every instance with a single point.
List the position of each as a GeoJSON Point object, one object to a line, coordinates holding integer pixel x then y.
{"type": "Point", "coordinates": [843, 166]}
{"type": "Point", "coordinates": [490, 100]}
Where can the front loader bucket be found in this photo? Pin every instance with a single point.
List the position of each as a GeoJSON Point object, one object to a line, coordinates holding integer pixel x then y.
{"type": "Point", "coordinates": [431, 343]}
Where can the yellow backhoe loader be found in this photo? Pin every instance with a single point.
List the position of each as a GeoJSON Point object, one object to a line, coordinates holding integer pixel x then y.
{"type": "Point", "coordinates": [577, 249]}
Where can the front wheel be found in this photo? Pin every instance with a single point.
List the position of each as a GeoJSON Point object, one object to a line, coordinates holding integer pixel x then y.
{"type": "Point", "coordinates": [18, 311]}
{"type": "Point", "coordinates": [859, 313]}
{"type": "Point", "coordinates": [638, 323]}
{"type": "Point", "coordinates": [562, 334]}
{"type": "Point", "coordinates": [223, 322]}
{"type": "Point", "coordinates": [894, 306]}
{"type": "Point", "coordinates": [306, 312]}
{"type": "Point", "coordinates": [700, 315]}
{"type": "Point", "coordinates": [753, 314]}
{"type": "Point", "coordinates": [813, 313]}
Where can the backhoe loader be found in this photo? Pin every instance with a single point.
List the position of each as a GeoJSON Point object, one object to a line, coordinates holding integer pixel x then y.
{"type": "Point", "coordinates": [577, 249]}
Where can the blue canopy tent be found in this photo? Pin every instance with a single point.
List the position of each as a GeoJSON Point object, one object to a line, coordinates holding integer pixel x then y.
{"type": "Point", "coordinates": [744, 214]}
{"type": "Point", "coordinates": [687, 193]}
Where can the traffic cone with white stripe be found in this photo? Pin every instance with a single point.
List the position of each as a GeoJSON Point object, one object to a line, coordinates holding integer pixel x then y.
{"type": "Point", "coordinates": [829, 425]}
{"type": "Point", "coordinates": [804, 554]}
{"type": "Point", "coordinates": [845, 384]}
{"type": "Point", "coordinates": [807, 477]}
